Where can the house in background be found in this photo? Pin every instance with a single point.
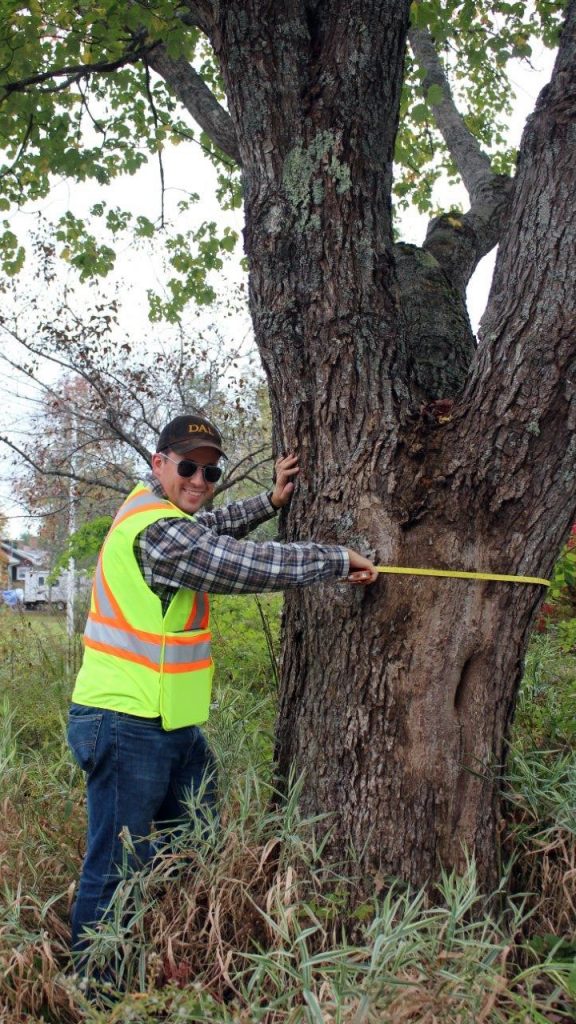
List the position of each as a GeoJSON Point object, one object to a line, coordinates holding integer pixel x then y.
{"type": "Point", "coordinates": [14, 561]}
{"type": "Point", "coordinates": [4, 570]}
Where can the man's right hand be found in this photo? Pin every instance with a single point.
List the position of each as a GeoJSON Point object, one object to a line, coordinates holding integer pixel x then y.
{"type": "Point", "coordinates": [286, 471]}
{"type": "Point", "coordinates": [362, 569]}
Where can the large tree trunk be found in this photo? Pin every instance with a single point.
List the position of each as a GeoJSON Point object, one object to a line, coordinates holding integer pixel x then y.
{"type": "Point", "coordinates": [396, 700]}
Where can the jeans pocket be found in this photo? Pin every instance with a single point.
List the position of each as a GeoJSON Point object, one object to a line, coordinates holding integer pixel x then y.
{"type": "Point", "coordinates": [83, 729]}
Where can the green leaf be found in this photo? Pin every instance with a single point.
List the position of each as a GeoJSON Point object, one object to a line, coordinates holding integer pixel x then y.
{"type": "Point", "coordinates": [434, 95]}
{"type": "Point", "coordinates": [144, 227]}
{"type": "Point", "coordinates": [420, 113]}
{"type": "Point", "coordinates": [83, 545]}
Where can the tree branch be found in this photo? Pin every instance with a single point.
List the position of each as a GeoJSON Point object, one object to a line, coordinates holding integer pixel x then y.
{"type": "Point", "coordinates": [75, 72]}
{"type": "Point", "coordinates": [91, 377]}
{"type": "Point", "coordinates": [200, 14]}
{"type": "Point", "coordinates": [521, 388]}
{"type": "Point", "coordinates": [458, 242]}
{"type": "Point", "coordinates": [471, 161]}
{"type": "Point", "coordinates": [193, 92]}
{"type": "Point", "coordinates": [160, 160]}
{"type": "Point", "coordinates": [127, 436]}
{"type": "Point", "coordinates": [21, 148]}
{"type": "Point", "coordinates": [66, 474]}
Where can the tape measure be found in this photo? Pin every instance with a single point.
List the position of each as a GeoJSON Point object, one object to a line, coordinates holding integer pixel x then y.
{"type": "Point", "coordinates": [460, 575]}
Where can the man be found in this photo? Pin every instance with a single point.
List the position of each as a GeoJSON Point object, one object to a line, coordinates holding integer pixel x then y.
{"type": "Point", "coordinates": [144, 685]}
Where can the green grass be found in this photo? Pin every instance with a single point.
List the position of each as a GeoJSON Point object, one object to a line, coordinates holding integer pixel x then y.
{"type": "Point", "coordinates": [37, 668]}
{"type": "Point", "coordinates": [245, 923]}
{"type": "Point", "coordinates": [246, 637]}
{"type": "Point", "coordinates": [545, 715]}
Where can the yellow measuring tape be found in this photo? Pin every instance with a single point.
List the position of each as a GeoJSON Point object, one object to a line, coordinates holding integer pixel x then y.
{"type": "Point", "coordinates": [458, 574]}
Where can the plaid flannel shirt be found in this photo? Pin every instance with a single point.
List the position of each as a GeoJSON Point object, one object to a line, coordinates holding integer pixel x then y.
{"type": "Point", "coordinates": [206, 553]}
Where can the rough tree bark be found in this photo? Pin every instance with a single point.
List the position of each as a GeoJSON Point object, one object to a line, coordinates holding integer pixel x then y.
{"type": "Point", "coordinates": [396, 701]}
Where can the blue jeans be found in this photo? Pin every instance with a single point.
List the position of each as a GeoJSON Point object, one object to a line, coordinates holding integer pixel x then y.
{"type": "Point", "coordinates": [137, 775]}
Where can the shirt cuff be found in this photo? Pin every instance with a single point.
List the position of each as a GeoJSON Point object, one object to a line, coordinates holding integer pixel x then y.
{"type": "Point", "coordinates": [346, 559]}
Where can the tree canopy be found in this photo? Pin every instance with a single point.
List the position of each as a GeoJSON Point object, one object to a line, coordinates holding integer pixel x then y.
{"type": "Point", "coordinates": [91, 92]}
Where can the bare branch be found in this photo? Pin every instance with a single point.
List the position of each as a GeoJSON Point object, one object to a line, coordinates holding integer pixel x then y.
{"type": "Point", "coordinates": [92, 379]}
{"type": "Point", "coordinates": [236, 478]}
{"type": "Point", "coordinates": [193, 92]}
{"type": "Point", "coordinates": [88, 375]}
{"type": "Point", "coordinates": [124, 435]}
{"type": "Point", "coordinates": [67, 474]}
{"type": "Point", "coordinates": [250, 456]}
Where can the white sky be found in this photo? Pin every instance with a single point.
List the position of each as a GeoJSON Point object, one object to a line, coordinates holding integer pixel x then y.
{"type": "Point", "coordinates": [141, 266]}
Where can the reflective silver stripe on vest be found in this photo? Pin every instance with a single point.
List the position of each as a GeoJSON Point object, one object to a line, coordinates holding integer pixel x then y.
{"type": "Point", "coordinates": [123, 641]}
{"type": "Point", "coordinates": [183, 654]}
{"type": "Point", "coordinates": [103, 603]}
{"type": "Point", "coordinates": [201, 611]}
{"type": "Point", "coordinates": [138, 501]}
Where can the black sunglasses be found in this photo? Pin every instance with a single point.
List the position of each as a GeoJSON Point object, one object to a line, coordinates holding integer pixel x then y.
{"type": "Point", "coordinates": [186, 467]}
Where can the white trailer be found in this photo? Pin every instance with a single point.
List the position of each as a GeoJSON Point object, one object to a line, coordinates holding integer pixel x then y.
{"type": "Point", "coordinates": [38, 593]}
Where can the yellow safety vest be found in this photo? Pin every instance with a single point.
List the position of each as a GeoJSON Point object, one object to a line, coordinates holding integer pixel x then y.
{"type": "Point", "coordinates": [138, 659]}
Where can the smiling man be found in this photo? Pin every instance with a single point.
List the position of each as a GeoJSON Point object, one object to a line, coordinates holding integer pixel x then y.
{"type": "Point", "coordinates": [145, 681]}
{"type": "Point", "coordinates": [187, 488]}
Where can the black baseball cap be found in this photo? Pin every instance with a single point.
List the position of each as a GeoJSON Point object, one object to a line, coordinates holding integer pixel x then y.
{"type": "Point", "coordinates": [184, 433]}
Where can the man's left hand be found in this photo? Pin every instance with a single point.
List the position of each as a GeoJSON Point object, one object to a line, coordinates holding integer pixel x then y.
{"type": "Point", "coordinates": [286, 470]}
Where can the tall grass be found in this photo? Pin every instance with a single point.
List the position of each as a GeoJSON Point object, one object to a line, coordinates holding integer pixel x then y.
{"type": "Point", "coordinates": [541, 795]}
{"type": "Point", "coordinates": [241, 920]}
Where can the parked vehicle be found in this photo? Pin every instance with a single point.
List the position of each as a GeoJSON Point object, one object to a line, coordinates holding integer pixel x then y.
{"type": "Point", "coordinates": [38, 593]}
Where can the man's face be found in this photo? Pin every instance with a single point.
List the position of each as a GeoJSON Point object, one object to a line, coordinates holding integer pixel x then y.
{"type": "Point", "coordinates": [187, 493]}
